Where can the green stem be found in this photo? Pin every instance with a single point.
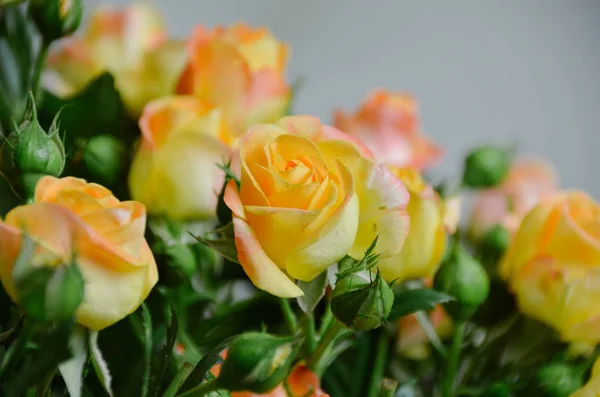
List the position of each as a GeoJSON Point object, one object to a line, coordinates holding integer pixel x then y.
{"type": "Point", "coordinates": [453, 359]}
{"type": "Point", "coordinates": [315, 362]}
{"type": "Point", "coordinates": [326, 319]}
{"type": "Point", "coordinates": [178, 380]}
{"type": "Point", "coordinates": [201, 390]}
{"type": "Point", "coordinates": [383, 344]}
{"type": "Point", "coordinates": [40, 65]}
{"type": "Point", "coordinates": [388, 388]}
{"type": "Point", "coordinates": [288, 314]}
{"type": "Point", "coordinates": [310, 332]}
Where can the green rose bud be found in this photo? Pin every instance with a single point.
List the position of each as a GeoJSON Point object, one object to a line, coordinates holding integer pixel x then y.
{"type": "Point", "coordinates": [559, 380]}
{"type": "Point", "coordinates": [464, 278]}
{"type": "Point", "coordinates": [29, 153]}
{"type": "Point", "coordinates": [257, 362]}
{"type": "Point", "coordinates": [486, 167]}
{"type": "Point", "coordinates": [56, 18]}
{"type": "Point", "coordinates": [361, 299]}
{"type": "Point", "coordinates": [50, 294]}
{"type": "Point", "coordinates": [104, 157]}
{"type": "Point", "coordinates": [495, 243]}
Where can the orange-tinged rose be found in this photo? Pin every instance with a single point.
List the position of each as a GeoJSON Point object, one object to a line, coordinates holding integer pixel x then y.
{"type": "Point", "coordinates": [528, 180]}
{"type": "Point", "coordinates": [553, 265]}
{"type": "Point", "coordinates": [175, 170]}
{"type": "Point", "coordinates": [72, 218]}
{"type": "Point", "coordinates": [424, 247]}
{"type": "Point", "coordinates": [388, 123]}
{"type": "Point", "coordinates": [241, 71]}
{"type": "Point", "coordinates": [309, 195]}
{"type": "Point", "coordinates": [128, 43]}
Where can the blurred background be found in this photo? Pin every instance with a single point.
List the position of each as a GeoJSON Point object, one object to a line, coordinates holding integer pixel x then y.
{"type": "Point", "coordinates": [503, 71]}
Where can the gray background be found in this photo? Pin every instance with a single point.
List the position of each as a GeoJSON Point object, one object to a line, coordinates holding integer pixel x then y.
{"type": "Point", "coordinates": [500, 71]}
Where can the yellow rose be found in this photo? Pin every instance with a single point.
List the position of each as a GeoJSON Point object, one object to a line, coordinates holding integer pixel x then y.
{"type": "Point", "coordinates": [241, 71]}
{"type": "Point", "coordinates": [425, 244]}
{"type": "Point", "coordinates": [309, 195]}
{"type": "Point", "coordinates": [175, 170]}
{"type": "Point", "coordinates": [592, 388]}
{"type": "Point", "coordinates": [131, 45]}
{"type": "Point", "coordinates": [71, 217]}
{"type": "Point", "coordinates": [553, 265]}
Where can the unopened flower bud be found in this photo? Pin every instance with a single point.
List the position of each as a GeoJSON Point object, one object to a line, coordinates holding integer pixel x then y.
{"type": "Point", "coordinates": [464, 278]}
{"type": "Point", "coordinates": [50, 294]}
{"type": "Point", "coordinates": [486, 167]}
{"type": "Point", "coordinates": [495, 243]}
{"type": "Point", "coordinates": [361, 300]}
{"type": "Point", "coordinates": [559, 380]}
{"type": "Point", "coordinates": [257, 362]}
{"type": "Point", "coordinates": [56, 18]}
{"type": "Point", "coordinates": [104, 157]}
{"type": "Point", "coordinates": [30, 153]}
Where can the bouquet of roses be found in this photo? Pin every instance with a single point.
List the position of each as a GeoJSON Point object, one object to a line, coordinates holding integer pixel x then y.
{"type": "Point", "coordinates": [169, 227]}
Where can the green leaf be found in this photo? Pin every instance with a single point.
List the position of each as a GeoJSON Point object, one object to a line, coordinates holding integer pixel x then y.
{"type": "Point", "coordinates": [96, 110]}
{"type": "Point", "coordinates": [99, 364]}
{"type": "Point", "coordinates": [313, 292]}
{"type": "Point", "coordinates": [51, 349]}
{"type": "Point", "coordinates": [72, 370]}
{"type": "Point", "coordinates": [222, 240]}
{"type": "Point", "coordinates": [416, 300]}
{"type": "Point", "coordinates": [16, 63]}
{"type": "Point", "coordinates": [163, 353]}
{"type": "Point", "coordinates": [229, 320]}
{"type": "Point", "coordinates": [147, 323]}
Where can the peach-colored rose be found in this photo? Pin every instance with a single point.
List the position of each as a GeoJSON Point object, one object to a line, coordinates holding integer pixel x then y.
{"type": "Point", "coordinates": [240, 70]}
{"type": "Point", "coordinates": [553, 265]}
{"type": "Point", "coordinates": [72, 218]}
{"type": "Point", "coordinates": [309, 195]}
{"type": "Point", "coordinates": [131, 45]}
{"type": "Point", "coordinates": [528, 180]}
{"type": "Point", "coordinates": [388, 123]}
{"type": "Point", "coordinates": [175, 170]}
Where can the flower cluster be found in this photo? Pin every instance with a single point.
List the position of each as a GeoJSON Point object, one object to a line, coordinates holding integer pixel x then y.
{"type": "Point", "coordinates": [163, 192]}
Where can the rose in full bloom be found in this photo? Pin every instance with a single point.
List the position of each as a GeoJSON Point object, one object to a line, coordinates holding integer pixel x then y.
{"type": "Point", "coordinates": [388, 123]}
{"type": "Point", "coordinates": [553, 265]}
{"type": "Point", "coordinates": [309, 195]}
{"type": "Point", "coordinates": [175, 169]}
{"type": "Point", "coordinates": [592, 388]}
{"type": "Point", "coordinates": [528, 180]}
{"type": "Point", "coordinates": [71, 218]}
{"type": "Point", "coordinates": [424, 247]}
{"type": "Point", "coordinates": [240, 70]}
{"type": "Point", "coordinates": [131, 44]}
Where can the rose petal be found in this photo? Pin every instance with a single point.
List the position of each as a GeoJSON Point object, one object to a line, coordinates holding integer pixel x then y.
{"type": "Point", "coordinates": [261, 270]}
